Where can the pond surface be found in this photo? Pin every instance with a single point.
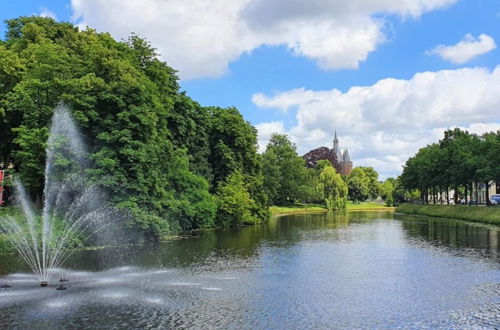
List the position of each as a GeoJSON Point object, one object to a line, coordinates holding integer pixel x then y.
{"type": "Point", "coordinates": [363, 270]}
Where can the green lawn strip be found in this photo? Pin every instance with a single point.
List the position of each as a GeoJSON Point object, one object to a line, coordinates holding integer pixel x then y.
{"type": "Point", "coordinates": [302, 208]}
{"type": "Point", "coordinates": [296, 208]}
{"type": "Point", "coordinates": [368, 206]}
{"type": "Point", "coordinates": [469, 213]}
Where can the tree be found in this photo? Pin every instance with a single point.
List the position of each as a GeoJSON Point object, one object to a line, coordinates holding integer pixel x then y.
{"type": "Point", "coordinates": [333, 189]}
{"type": "Point", "coordinates": [363, 183]}
{"type": "Point", "coordinates": [387, 188]}
{"type": "Point", "coordinates": [157, 152]}
{"type": "Point", "coordinates": [284, 171]}
{"type": "Point", "coordinates": [235, 203]}
{"type": "Point", "coordinates": [357, 186]}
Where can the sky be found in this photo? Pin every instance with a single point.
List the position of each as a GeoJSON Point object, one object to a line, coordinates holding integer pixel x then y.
{"type": "Point", "coordinates": [389, 75]}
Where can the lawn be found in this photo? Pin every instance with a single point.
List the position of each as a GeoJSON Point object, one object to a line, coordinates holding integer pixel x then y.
{"type": "Point", "coordinates": [470, 213]}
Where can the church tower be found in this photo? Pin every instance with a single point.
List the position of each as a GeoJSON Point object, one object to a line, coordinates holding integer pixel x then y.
{"type": "Point", "coordinates": [346, 164]}
{"type": "Point", "coordinates": [336, 148]}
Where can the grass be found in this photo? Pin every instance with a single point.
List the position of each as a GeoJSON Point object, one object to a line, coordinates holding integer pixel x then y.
{"type": "Point", "coordinates": [302, 208]}
{"type": "Point", "coordinates": [368, 206]}
{"type": "Point", "coordinates": [296, 208]}
{"type": "Point", "coordinates": [469, 213]}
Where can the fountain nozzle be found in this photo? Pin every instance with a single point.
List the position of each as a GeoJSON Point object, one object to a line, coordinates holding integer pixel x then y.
{"type": "Point", "coordinates": [44, 283]}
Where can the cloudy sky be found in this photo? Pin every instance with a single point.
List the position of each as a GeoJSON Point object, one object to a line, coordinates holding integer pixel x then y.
{"type": "Point", "coordinates": [390, 75]}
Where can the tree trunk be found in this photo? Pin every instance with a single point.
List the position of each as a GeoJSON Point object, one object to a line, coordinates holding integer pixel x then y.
{"type": "Point", "coordinates": [466, 193]}
{"type": "Point", "coordinates": [487, 194]}
{"type": "Point", "coordinates": [455, 194]}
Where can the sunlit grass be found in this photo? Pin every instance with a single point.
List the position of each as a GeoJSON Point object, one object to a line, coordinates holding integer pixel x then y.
{"type": "Point", "coordinates": [469, 213]}
{"type": "Point", "coordinates": [301, 208]}
{"type": "Point", "coordinates": [296, 208]}
{"type": "Point", "coordinates": [367, 206]}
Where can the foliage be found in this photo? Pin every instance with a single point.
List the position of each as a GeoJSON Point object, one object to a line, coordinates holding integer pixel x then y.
{"type": "Point", "coordinates": [459, 161]}
{"type": "Point", "coordinates": [333, 189]}
{"type": "Point", "coordinates": [387, 188]}
{"type": "Point", "coordinates": [159, 153]}
{"type": "Point", "coordinates": [285, 175]}
{"type": "Point", "coordinates": [235, 203]}
{"type": "Point", "coordinates": [363, 184]}
{"type": "Point", "coordinates": [358, 185]}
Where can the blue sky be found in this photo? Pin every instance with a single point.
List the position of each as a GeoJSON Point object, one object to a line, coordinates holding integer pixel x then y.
{"type": "Point", "coordinates": [372, 68]}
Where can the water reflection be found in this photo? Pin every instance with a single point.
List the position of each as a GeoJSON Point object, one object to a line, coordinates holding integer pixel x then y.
{"type": "Point", "coordinates": [357, 270]}
{"type": "Point", "coordinates": [452, 233]}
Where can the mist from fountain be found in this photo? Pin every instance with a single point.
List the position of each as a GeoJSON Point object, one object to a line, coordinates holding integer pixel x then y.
{"type": "Point", "coordinates": [75, 208]}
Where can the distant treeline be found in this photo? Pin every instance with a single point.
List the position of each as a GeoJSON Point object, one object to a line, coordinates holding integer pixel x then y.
{"type": "Point", "coordinates": [461, 162]}
{"type": "Point", "coordinates": [287, 179]}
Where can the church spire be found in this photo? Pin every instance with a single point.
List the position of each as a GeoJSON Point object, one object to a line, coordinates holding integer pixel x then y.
{"type": "Point", "coordinates": [335, 141]}
{"type": "Point", "coordinates": [336, 148]}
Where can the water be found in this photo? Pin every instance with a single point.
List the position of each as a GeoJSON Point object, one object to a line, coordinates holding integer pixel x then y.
{"type": "Point", "coordinates": [74, 210]}
{"type": "Point", "coordinates": [366, 270]}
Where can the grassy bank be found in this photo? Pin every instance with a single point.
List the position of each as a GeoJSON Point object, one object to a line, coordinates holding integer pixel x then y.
{"type": "Point", "coordinates": [469, 213]}
{"type": "Point", "coordinates": [296, 208]}
{"type": "Point", "coordinates": [303, 208]}
{"type": "Point", "coordinates": [368, 206]}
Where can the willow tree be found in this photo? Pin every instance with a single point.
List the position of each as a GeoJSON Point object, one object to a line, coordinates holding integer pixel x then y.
{"type": "Point", "coordinates": [333, 189]}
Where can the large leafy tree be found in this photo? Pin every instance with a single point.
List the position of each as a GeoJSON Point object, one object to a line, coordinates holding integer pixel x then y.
{"type": "Point", "coordinates": [461, 161]}
{"type": "Point", "coordinates": [357, 185]}
{"type": "Point", "coordinates": [150, 144]}
{"type": "Point", "coordinates": [284, 171]}
{"type": "Point", "coordinates": [333, 188]}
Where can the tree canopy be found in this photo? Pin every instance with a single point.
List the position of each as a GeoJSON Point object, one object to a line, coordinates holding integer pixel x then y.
{"type": "Point", "coordinates": [160, 154]}
{"type": "Point", "coordinates": [460, 161]}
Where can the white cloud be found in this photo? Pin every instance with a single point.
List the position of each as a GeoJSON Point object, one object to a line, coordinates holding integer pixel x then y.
{"type": "Point", "coordinates": [266, 130]}
{"type": "Point", "coordinates": [201, 37]}
{"type": "Point", "coordinates": [465, 50]}
{"type": "Point", "coordinates": [387, 122]}
{"type": "Point", "coordinates": [44, 12]}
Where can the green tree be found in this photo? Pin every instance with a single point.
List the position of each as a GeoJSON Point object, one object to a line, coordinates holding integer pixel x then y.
{"type": "Point", "coordinates": [387, 188]}
{"type": "Point", "coordinates": [156, 151]}
{"type": "Point", "coordinates": [284, 172]}
{"type": "Point", "coordinates": [333, 188]}
{"type": "Point", "coordinates": [236, 207]}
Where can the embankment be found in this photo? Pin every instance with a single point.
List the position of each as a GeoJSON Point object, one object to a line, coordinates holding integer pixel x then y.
{"type": "Point", "coordinates": [469, 213]}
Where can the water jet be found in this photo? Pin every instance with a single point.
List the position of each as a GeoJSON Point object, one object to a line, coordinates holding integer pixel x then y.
{"type": "Point", "coordinates": [75, 208]}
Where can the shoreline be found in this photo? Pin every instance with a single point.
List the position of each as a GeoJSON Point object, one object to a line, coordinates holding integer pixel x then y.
{"type": "Point", "coordinates": [479, 214]}
{"type": "Point", "coordinates": [315, 208]}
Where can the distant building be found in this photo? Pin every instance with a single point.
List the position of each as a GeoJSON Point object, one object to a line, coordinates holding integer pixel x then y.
{"type": "Point", "coordinates": [340, 160]}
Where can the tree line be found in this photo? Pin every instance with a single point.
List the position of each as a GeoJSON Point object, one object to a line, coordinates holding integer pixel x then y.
{"type": "Point", "coordinates": [175, 165]}
{"type": "Point", "coordinates": [287, 179]}
{"type": "Point", "coordinates": [461, 162]}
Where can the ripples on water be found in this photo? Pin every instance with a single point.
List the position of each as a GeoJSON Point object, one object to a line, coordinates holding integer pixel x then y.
{"type": "Point", "coordinates": [367, 270]}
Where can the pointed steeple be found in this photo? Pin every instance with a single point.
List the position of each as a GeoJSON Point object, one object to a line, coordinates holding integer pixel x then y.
{"type": "Point", "coordinates": [336, 148]}
{"type": "Point", "coordinates": [335, 141]}
{"type": "Point", "coordinates": [347, 158]}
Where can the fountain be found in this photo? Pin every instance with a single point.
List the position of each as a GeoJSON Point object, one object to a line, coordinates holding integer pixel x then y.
{"type": "Point", "coordinates": [75, 207]}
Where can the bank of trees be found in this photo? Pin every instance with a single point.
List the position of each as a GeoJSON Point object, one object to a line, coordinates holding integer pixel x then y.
{"type": "Point", "coordinates": [174, 164]}
{"type": "Point", "coordinates": [460, 162]}
{"type": "Point", "coordinates": [363, 184]}
{"type": "Point", "coordinates": [288, 180]}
